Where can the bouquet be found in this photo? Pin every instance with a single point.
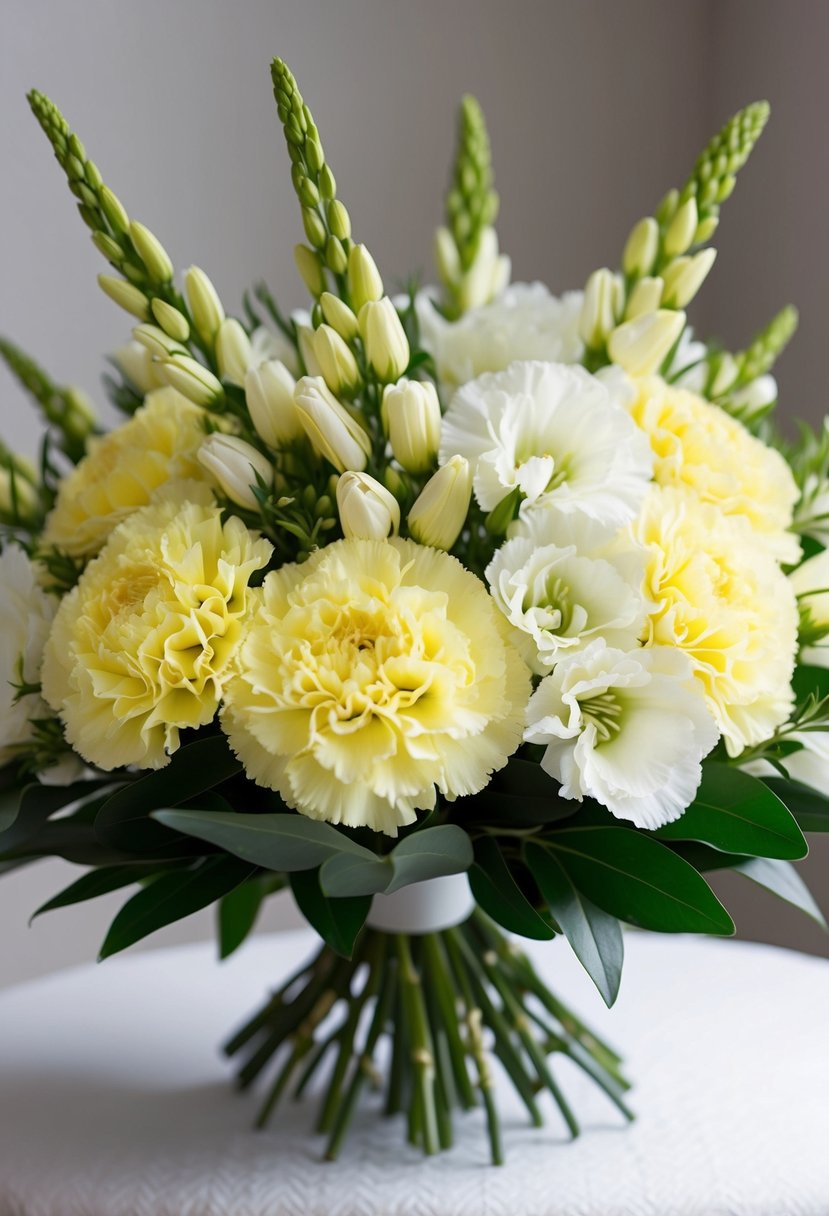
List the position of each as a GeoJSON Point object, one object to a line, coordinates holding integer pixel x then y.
{"type": "Point", "coordinates": [470, 613]}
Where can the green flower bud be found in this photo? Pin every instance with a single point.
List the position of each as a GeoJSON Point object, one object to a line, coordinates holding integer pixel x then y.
{"type": "Point", "coordinates": [339, 316]}
{"type": "Point", "coordinates": [233, 352]}
{"type": "Point", "coordinates": [439, 512]}
{"type": "Point", "coordinates": [171, 320]}
{"type": "Point", "coordinates": [310, 269]}
{"type": "Point", "coordinates": [327, 182]}
{"type": "Point", "coordinates": [339, 220]}
{"type": "Point", "coordinates": [314, 227]}
{"type": "Point", "coordinates": [110, 248]}
{"type": "Point", "coordinates": [600, 309]}
{"type": "Point", "coordinates": [386, 344]}
{"type": "Point", "coordinates": [157, 342]}
{"type": "Point", "coordinates": [152, 253]}
{"type": "Point", "coordinates": [680, 232]}
{"type": "Point", "coordinates": [336, 259]}
{"type": "Point", "coordinates": [333, 432]}
{"type": "Point", "coordinates": [114, 212]}
{"type": "Point", "coordinates": [126, 296]}
{"type": "Point", "coordinates": [447, 258]}
{"type": "Point", "coordinates": [364, 282]}
{"type": "Point", "coordinates": [367, 510]}
{"type": "Point", "coordinates": [706, 229]}
{"type": "Point", "coordinates": [236, 467]}
{"type": "Point", "coordinates": [641, 247]}
{"type": "Point", "coordinates": [205, 305]}
{"type": "Point", "coordinates": [193, 380]}
{"type": "Point", "coordinates": [645, 297]}
{"type": "Point", "coordinates": [684, 277]}
{"type": "Point", "coordinates": [337, 363]}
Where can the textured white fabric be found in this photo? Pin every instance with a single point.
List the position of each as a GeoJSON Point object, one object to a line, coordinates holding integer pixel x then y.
{"type": "Point", "coordinates": [114, 1101]}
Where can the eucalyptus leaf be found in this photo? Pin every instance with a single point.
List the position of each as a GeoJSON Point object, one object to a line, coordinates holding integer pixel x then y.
{"type": "Point", "coordinates": [639, 880]}
{"type": "Point", "coordinates": [348, 874]}
{"type": "Point", "coordinates": [93, 884]}
{"type": "Point", "coordinates": [37, 804]}
{"type": "Point", "coordinates": [738, 813]}
{"type": "Point", "coordinates": [432, 853]}
{"type": "Point", "coordinates": [276, 842]}
{"type": "Point", "coordinates": [595, 935]}
{"type": "Point", "coordinates": [338, 921]}
{"type": "Point", "coordinates": [171, 897]}
{"type": "Point", "coordinates": [499, 895]}
{"type": "Point", "coordinates": [783, 880]}
{"type": "Point", "coordinates": [809, 807]}
{"type": "Point", "coordinates": [237, 913]}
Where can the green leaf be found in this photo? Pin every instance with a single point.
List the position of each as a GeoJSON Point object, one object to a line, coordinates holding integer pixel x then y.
{"type": "Point", "coordinates": [810, 681]}
{"type": "Point", "coordinates": [9, 807]}
{"type": "Point", "coordinates": [125, 820]}
{"type": "Point", "coordinates": [347, 874]}
{"type": "Point", "coordinates": [783, 880]}
{"type": "Point", "coordinates": [36, 806]}
{"type": "Point", "coordinates": [809, 807]}
{"type": "Point", "coordinates": [596, 937]}
{"type": "Point", "coordinates": [237, 913]}
{"type": "Point", "coordinates": [96, 882]}
{"type": "Point", "coordinates": [500, 896]}
{"type": "Point", "coordinates": [432, 853]}
{"type": "Point", "coordinates": [171, 897]}
{"type": "Point", "coordinates": [275, 842]}
{"type": "Point", "coordinates": [640, 880]}
{"type": "Point", "coordinates": [737, 813]}
{"type": "Point", "coordinates": [338, 921]}
{"type": "Point", "coordinates": [521, 794]}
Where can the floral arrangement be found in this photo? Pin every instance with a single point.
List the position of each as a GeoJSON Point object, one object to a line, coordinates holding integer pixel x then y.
{"type": "Point", "coordinates": [464, 612]}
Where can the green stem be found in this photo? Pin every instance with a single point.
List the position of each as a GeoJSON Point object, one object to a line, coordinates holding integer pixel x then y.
{"type": "Point", "coordinates": [422, 1048]}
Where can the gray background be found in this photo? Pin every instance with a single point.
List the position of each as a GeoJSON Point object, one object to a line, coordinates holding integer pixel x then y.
{"type": "Point", "coordinates": [595, 108]}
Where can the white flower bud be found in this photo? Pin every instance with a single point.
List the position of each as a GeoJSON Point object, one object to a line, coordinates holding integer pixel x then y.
{"type": "Point", "coordinates": [364, 282]}
{"type": "Point", "coordinates": [640, 346]}
{"type": "Point", "coordinates": [235, 466]}
{"type": "Point", "coordinates": [367, 510]}
{"type": "Point", "coordinates": [411, 417]}
{"type": "Point", "coordinates": [754, 398]}
{"type": "Point", "coordinates": [726, 374]}
{"type": "Point", "coordinates": [269, 392]}
{"type": "Point", "coordinates": [205, 305]}
{"type": "Point", "coordinates": [645, 297]}
{"type": "Point", "coordinates": [233, 351]}
{"type": "Point", "coordinates": [192, 379]}
{"type": "Point", "coordinates": [336, 362]}
{"type": "Point", "coordinates": [684, 277]}
{"type": "Point", "coordinates": [599, 312]}
{"type": "Point", "coordinates": [440, 510]}
{"type": "Point", "coordinates": [641, 247]}
{"type": "Point", "coordinates": [173, 322]}
{"type": "Point", "coordinates": [682, 228]}
{"type": "Point", "coordinates": [387, 347]}
{"type": "Point", "coordinates": [339, 316]}
{"type": "Point", "coordinates": [447, 257]}
{"type": "Point", "coordinates": [332, 431]}
{"type": "Point", "coordinates": [135, 362]}
{"type": "Point", "coordinates": [151, 252]}
{"type": "Point", "coordinates": [126, 295]}
{"type": "Point", "coordinates": [305, 338]}
{"type": "Point", "coordinates": [475, 288]}
{"type": "Point", "coordinates": [159, 344]}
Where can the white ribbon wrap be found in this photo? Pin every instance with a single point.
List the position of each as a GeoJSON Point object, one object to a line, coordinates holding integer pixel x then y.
{"type": "Point", "coordinates": [423, 907]}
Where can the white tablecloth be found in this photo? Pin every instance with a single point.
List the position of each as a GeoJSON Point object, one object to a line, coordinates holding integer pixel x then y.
{"type": "Point", "coordinates": [115, 1102]}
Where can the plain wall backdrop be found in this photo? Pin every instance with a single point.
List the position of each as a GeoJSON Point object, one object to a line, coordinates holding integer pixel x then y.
{"type": "Point", "coordinates": [594, 107]}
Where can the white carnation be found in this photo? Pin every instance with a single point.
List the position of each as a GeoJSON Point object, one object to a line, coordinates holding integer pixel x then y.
{"type": "Point", "coordinates": [556, 434]}
{"type": "Point", "coordinates": [26, 613]}
{"type": "Point", "coordinates": [629, 729]}
{"type": "Point", "coordinates": [525, 322]}
{"type": "Point", "coordinates": [560, 587]}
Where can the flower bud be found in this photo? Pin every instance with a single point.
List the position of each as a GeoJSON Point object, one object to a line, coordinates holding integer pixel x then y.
{"type": "Point", "coordinates": [640, 346]}
{"type": "Point", "coordinates": [339, 221]}
{"type": "Point", "coordinates": [269, 391]}
{"type": "Point", "coordinates": [641, 247]}
{"type": "Point", "coordinates": [233, 353]}
{"type": "Point", "coordinates": [332, 431]}
{"type": "Point", "coordinates": [135, 362]}
{"type": "Point", "coordinates": [339, 316]}
{"type": "Point", "coordinates": [754, 399]}
{"type": "Point", "coordinates": [235, 466]}
{"type": "Point", "coordinates": [364, 282]}
{"type": "Point", "coordinates": [476, 286]}
{"type": "Point", "coordinates": [126, 296]}
{"type": "Point", "coordinates": [79, 417]}
{"type": "Point", "coordinates": [173, 322]}
{"type": "Point", "coordinates": [682, 228]}
{"type": "Point", "coordinates": [439, 512]}
{"type": "Point", "coordinates": [159, 344]}
{"type": "Point", "coordinates": [367, 510]}
{"type": "Point", "coordinates": [305, 339]}
{"type": "Point", "coordinates": [725, 375]}
{"type": "Point", "coordinates": [645, 297]}
{"type": "Point", "coordinates": [599, 311]}
{"type": "Point", "coordinates": [114, 210]}
{"type": "Point", "coordinates": [192, 379]}
{"type": "Point", "coordinates": [310, 269]}
{"type": "Point", "coordinates": [684, 277]}
{"type": "Point", "coordinates": [336, 362]}
{"type": "Point", "coordinates": [18, 497]}
{"type": "Point", "coordinates": [205, 305]}
{"type": "Point", "coordinates": [387, 347]}
{"type": "Point", "coordinates": [152, 253]}
{"type": "Point", "coordinates": [411, 417]}
{"type": "Point", "coordinates": [447, 257]}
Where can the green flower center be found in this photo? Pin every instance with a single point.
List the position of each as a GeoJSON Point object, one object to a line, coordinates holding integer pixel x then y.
{"type": "Point", "coordinates": [604, 711]}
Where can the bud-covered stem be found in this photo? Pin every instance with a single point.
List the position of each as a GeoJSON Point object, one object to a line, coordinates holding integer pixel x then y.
{"type": "Point", "coordinates": [66, 409]}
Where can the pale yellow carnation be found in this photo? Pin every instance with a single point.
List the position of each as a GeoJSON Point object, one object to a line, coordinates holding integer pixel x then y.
{"type": "Point", "coordinates": [719, 595]}
{"type": "Point", "coordinates": [698, 447]}
{"type": "Point", "coordinates": [372, 674]}
{"type": "Point", "coordinates": [125, 470]}
{"type": "Point", "coordinates": [142, 646]}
